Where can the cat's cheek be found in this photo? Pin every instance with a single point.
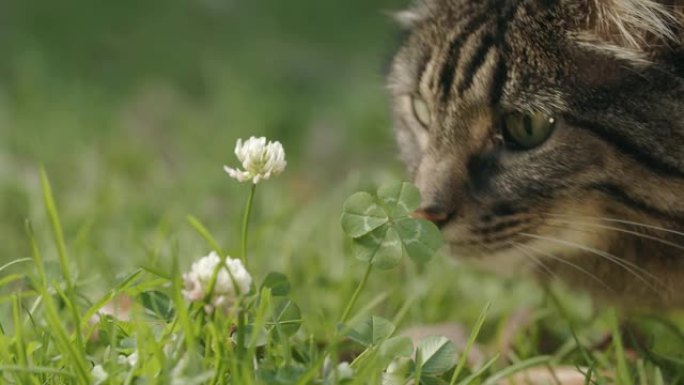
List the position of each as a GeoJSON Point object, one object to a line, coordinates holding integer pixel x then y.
{"type": "Point", "coordinates": [409, 150]}
{"type": "Point", "coordinates": [419, 133]}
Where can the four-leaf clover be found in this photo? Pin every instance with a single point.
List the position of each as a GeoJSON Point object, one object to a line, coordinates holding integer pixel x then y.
{"type": "Point", "coordinates": [383, 230]}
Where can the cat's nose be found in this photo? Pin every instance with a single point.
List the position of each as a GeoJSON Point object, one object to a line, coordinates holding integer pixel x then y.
{"type": "Point", "coordinates": [435, 214]}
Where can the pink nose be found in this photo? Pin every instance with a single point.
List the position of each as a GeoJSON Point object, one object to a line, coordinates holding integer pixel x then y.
{"type": "Point", "coordinates": [435, 215]}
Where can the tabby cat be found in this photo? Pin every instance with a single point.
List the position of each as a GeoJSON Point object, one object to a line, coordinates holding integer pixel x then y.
{"type": "Point", "coordinates": [550, 134]}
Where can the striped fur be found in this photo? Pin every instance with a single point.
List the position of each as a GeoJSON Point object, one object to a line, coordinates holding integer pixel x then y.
{"type": "Point", "coordinates": [628, 29]}
{"type": "Point", "coordinates": [626, 23]}
{"type": "Point", "coordinates": [608, 182]}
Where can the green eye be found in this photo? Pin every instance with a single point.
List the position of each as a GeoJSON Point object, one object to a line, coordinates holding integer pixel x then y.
{"type": "Point", "coordinates": [525, 132]}
{"type": "Point", "coordinates": [421, 110]}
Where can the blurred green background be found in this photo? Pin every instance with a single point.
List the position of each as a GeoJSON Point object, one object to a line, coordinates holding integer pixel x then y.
{"type": "Point", "coordinates": [134, 106]}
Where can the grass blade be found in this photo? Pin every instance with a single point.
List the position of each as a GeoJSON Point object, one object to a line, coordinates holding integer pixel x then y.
{"type": "Point", "coordinates": [516, 368]}
{"type": "Point", "coordinates": [20, 339]}
{"type": "Point", "coordinates": [480, 371]}
{"type": "Point", "coordinates": [622, 368]}
{"type": "Point", "coordinates": [181, 309]}
{"type": "Point", "coordinates": [58, 332]}
{"type": "Point", "coordinates": [64, 262]}
{"type": "Point", "coordinates": [10, 278]}
{"type": "Point", "coordinates": [471, 341]}
{"type": "Point", "coordinates": [57, 232]}
{"type": "Point", "coordinates": [37, 258]}
{"type": "Point", "coordinates": [36, 370]}
{"type": "Point", "coordinates": [16, 261]}
{"type": "Point", "coordinates": [121, 286]}
{"type": "Point", "coordinates": [205, 234]}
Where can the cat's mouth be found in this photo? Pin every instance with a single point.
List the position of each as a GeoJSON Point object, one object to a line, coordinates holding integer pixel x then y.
{"type": "Point", "coordinates": [486, 235]}
{"type": "Point", "coordinates": [516, 240]}
{"type": "Point", "coordinates": [498, 244]}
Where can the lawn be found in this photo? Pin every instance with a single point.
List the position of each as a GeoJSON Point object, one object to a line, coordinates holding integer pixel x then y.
{"type": "Point", "coordinates": [131, 109]}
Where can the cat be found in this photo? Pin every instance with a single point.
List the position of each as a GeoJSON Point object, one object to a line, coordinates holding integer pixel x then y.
{"type": "Point", "coordinates": [549, 135]}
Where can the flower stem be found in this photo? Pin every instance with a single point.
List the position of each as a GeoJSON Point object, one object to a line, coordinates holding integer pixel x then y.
{"type": "Point", "coordinates": [243, 256]}
{"type": "Point", "coordinates": [245, 224]}
{"type": "Point", "coordinates": [241, 332]}
{"type": "Point", "coordinates": [355, 296]}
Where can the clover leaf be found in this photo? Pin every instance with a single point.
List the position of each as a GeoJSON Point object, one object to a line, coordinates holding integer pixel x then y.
{"type": "Point", "coordinates": [381, 247]}
{"type": "Point", "coordinates": [371, 331]}
{"type": "Point", "coordinates": [278, 283]}
{"type": "Point", "coordinates": [421, 239]}
{"type": "Point", "coordinates": [395, 347]}
{"type": "Point", "coordinates": [158, 304]}
{"type": "Point", "coordinates": [400, 198]}
{"type": "Point", "coordinates": [362, 214]}
{"type": "Point", "coordinates": [383, 230]}
{"type": "Point", "coordinates": [436, 355]}
{"type": "Point", "coordinates": [287, 318]}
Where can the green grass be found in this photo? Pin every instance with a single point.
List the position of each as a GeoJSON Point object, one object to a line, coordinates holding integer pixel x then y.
{"type": "Point", "coordinates": [132, 108]}
{"type": "Point", "coordinates": [50, 336]}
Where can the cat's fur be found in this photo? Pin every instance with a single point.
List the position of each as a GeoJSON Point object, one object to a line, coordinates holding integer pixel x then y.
{"type": "Point", "coordinates": [601, 201]}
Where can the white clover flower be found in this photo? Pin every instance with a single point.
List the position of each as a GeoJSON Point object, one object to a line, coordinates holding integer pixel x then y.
{"type": "Point", "coordinates": [260, 159]}
{"type": "Point", "coordinates": [198, 279]}
{"type": "Point", "coordinates": [99, 374]}
{"type": "Point", "coordinates": [129, 360]}
{"type": "Point", "coordinates": [341, 373]}
{"type": "Point", "coordinates": [344, 371]}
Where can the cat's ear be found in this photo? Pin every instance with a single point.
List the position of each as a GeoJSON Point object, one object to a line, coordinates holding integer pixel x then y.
{"type": "Point", "coordinates": [632, 30]}
{"type": "Point", "coordinates": [414, 15]}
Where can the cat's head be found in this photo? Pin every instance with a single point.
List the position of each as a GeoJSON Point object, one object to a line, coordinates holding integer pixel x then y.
{"type": "Point", "coordinates": [518, 118]}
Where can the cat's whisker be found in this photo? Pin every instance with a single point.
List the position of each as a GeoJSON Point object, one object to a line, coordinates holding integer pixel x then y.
{"type": "Point", "coordinates": [537, 261]}
{"type": "Point", "coordinates": [616, 220]}
{"type": "Point", "coordinates": [618, 229]}
{"type": "Point", "coordinates": [565, 262]}
{"type": "Point", "coordinates": [490, 248]}
{"type": "Point", "coordinates": [630, 267]}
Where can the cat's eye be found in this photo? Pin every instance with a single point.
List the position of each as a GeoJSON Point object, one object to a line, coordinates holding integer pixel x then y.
{"type": "Point", "coordinates": [527, 131]}
{"type": "Point", "coordinates": [421, 110]}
